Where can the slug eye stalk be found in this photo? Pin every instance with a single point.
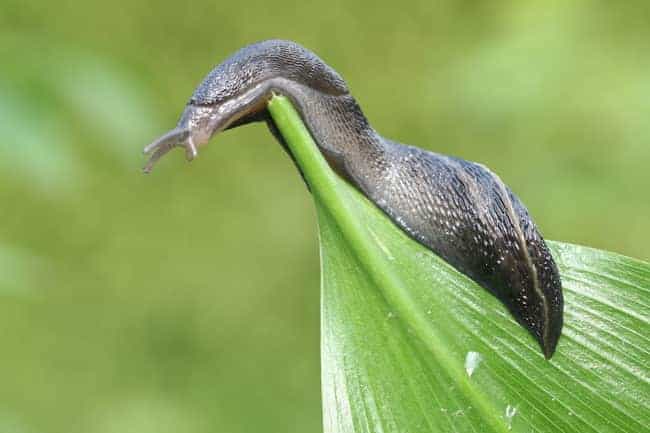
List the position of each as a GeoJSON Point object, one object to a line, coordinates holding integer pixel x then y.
{"type": "Point", "coordinates": [174, 138]}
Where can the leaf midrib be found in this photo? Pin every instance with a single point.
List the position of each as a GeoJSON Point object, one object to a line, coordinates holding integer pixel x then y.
{"type": "Point", "coordinates": [327, 190]}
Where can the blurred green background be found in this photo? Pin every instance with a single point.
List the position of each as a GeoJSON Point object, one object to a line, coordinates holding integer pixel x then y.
{"type": "Point", "coordinates": [188, 300]}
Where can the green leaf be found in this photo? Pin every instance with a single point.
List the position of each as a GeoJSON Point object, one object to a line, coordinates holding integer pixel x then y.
{"type": "Point", "coordinates": [411, 345]}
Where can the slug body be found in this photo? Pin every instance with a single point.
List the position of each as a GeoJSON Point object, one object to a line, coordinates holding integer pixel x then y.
{"type": "Point", "coordinates": [460, 210]}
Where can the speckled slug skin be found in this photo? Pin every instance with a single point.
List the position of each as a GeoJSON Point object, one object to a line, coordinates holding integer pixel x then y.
{"type": "Point", "coordinates": [460, 210]}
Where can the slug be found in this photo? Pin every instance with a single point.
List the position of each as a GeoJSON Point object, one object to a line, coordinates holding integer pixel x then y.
{"type": "Point", "coordinates": [460, 210]}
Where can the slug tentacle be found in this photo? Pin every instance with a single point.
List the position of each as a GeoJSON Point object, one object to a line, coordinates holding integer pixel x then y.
{"type": "Point", "coordinates": [460, 210]}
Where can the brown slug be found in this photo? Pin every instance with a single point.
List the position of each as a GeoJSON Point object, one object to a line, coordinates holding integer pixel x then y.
{"type": "Point", "coordinates": [458, 209]}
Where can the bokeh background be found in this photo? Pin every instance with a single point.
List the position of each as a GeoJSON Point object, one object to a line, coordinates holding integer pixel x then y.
{"type": "Point", "coordinates": [188, 300]}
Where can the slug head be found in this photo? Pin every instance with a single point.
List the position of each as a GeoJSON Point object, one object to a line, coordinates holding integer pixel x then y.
{"type": "Point", "coordinates": [236, 92]}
